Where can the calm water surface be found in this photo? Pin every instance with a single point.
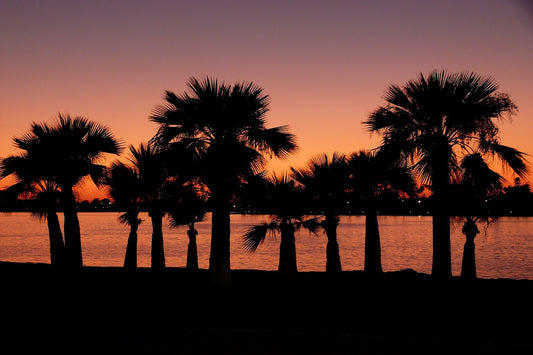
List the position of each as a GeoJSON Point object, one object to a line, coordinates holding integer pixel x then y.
{"type": "Point", "coordinates": [504, 249]}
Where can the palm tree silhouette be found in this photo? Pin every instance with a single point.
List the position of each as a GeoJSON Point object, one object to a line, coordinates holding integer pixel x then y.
{"type": "Point", "coordinates": [284, 201]}
{"type": "Point", "coordinates": [476, 182]}
{"type": "Point", "coordinates": [150, 169]}
{"type": "Point", "coordinates": [223, 126]}
{"type": "Point", "coordinates": [372, 173]}
{"type": "Point", "coordinates": [325, 182]}
{"type": "Point", "coordinates": [187, 205]}
{"type": "Point", "coordinates": [45, 195]}
{"type": "Point", "coordinates": [125, 187]}
{"type": "Point", "coordinates": [433, 121]}
{"type": "Point", "coordinates": [65, 153]}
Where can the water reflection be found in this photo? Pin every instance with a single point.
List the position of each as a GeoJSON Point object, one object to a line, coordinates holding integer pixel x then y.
{"type": "Point", "coordinates": [503, 250]}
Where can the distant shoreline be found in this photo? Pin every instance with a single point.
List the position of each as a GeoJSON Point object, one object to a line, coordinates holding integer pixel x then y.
{"type": "Point", "coordinates": [425, 214]}
{"type": "Point", "coordinates": [502, 206]}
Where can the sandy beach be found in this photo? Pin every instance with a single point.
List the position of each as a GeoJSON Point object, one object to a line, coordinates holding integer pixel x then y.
{"type": "Point", "coordinates": [110, 311]}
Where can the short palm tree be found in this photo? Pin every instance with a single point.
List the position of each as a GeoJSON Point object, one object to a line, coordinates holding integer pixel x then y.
{"type": "Point", "coordinates": [372, 173]}
{"type": "Point", "coordinates": [45, 196]}
{"type": "Point", "coordinates": [125, 187]}
{"type": "Point", "coordinates": [187, 205]}
{"type": "Point", "coordinates": [325, 180]}
{"type": "Point", "coordinates": [65, 153]}
{"type": "Point", "coordinates": [435, 120]}
{"type": "Point", "coordinates": [224, 127]}
{"type": "Point", "coordinates": [476, 182]}
{"type": "Point", "coordinates": [283, 200]}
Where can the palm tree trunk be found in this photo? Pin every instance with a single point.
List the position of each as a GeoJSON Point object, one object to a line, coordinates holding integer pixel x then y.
{"type": "Point", "coordinates": [468, 267]}
{"type": "Point", "coordinates": [372, 243]}
{"type": "Point", "coordinates": [333, 259]}
{"type": "Point", "coordinates": [130, 260]}
{"type": "Point", "coordinates": [442, 259]}
{"type": "Point", "coordinates": [441, 246]}
{"type": "Point", "coordinates": [57, 246]}
{"type": "Point", "coordinates": [219, 258]}
{"type": "Point", "coordinates": [192, 250]}
{"type": "Point", "coordinates": [158, 248]}
{"type": "Point", "coordinates": [287, 249]}
{"type": "Point", "coordinates": [73, 252]}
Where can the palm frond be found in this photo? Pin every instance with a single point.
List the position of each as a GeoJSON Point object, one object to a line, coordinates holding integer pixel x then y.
{"type": "Point", "coordinates": [124, 184]}
{"type": "Point", "coordinates": [397, 97]}
{"type": "Point", "coordinates": [510, 157]}
{"type": "Point", "coordinates": [99, 139]}
{"type": "Point", "coordinates": [478, 176]}
{"type": "Point", "coordinates": [312, 224]}
{"type": "Point", "coordinates": [256, 235]}
{"type": "Point", "coordinates": [186, 204]}
{"type": "Point", "coordinates": [275, 141]}
{"type": "Point", "coordinates": [13, 165]}
{"type": "Point", "coordinates": [129, 217]}
{"type": "Point", "coordinates": [98, 174]}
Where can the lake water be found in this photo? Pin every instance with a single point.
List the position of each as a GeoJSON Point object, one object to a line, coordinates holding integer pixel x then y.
{"type": "Point", "coordinates": [503, 250]}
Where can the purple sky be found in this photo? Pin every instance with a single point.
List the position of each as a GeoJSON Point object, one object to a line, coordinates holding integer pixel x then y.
{"type": "Point", "coordinates": [325, 64]}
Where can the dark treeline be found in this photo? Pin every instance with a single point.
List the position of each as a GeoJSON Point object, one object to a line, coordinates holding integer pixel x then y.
{"type": "Point", "coordinates": [512, 201]}
{"type": "Point", "coordinates": [211, 150]}
{"type": "Point", "coordinates": [515, 200]}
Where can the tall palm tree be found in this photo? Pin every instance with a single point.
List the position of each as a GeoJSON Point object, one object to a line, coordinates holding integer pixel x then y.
{"type": "Point", "coordinates": [150, 168]}
{"type": "Point", "coordinates": [283, 200]}
{"type": "Point", "coordinates": [325, 180]}
{"type": "Point", "coordinates": [65, 153]}
{"type": "Point", "coordinates": [476, 182]}
{"type": "Point", "coordinates": [224, 127]}
{"type": "Point", "coordinates": [372, 173]}
{"type": "Point", "coordinates": [125, 187]}
{"type": "Point", "coordinates": [435, 120]}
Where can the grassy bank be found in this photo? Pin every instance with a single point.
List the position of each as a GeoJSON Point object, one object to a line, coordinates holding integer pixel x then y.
{"type": "Point", "coordinates": [108, 310]}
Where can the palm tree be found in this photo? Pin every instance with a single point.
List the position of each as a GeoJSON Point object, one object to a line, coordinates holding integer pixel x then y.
{"type": "Point", "coordinates": [325, 181]}
{"type": "Point", "coordinates": [45, 196]}
{"type": "Point", "coordinates": [283, 200]}
{"type": "Point", "coordinates": [150, 169]}
{"type": "Point", "coordinates": [125, 187]}
{"type": "Point", "coordinates": [476, 182]}
{"type": "Point", "coordinates": [65, 153]}
{"type": "Point", "coordinates": [223, 126]}
{"type": "Point", "coordinates": [371, 174]}
{"type": "Point", "coordinates": [433, 121]}
{"type": "Point", "coordinates": [187, 206]}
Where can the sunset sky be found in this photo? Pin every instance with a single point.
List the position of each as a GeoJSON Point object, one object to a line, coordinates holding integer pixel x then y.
{"type": "Point", "coordinates": [325, 64]}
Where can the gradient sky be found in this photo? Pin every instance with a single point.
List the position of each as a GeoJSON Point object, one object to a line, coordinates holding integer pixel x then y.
{"type": "Point", "coordinates": [325, 64]}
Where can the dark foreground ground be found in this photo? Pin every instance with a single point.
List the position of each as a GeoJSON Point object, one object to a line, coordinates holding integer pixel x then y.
{"type": "Point", "coordinates": [110, 311]}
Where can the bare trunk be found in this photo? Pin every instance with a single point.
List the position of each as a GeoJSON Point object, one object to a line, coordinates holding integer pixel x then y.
{"type": "Point", "coordinates": [158, 248]}
{"type": "Point", "coordinates": [192, 250]}
{"type": "Point", "coordinates": [441, 245]}
{"type": "Point", "coordinates": [219, 259]}
{"type": "Point", "coordinates": [287, 249]}
{"type": "Point", "coordinates": [372, 243]}
{"type": "Point", "coordinates": [57, 246]}
{"type": "Point", "coordinates": [130, 260]}
{"type": "Point", "coordinates": [333, 259]}
{"type": "Point", "coordinates": [73, 252]}
{"type": "Point", "coordinates": [442, 259]}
